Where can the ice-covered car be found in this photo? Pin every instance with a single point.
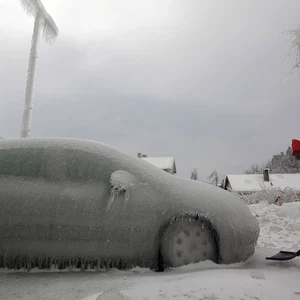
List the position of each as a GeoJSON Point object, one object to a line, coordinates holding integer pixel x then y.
{"type": "Point", "coordinates": [72, 203]}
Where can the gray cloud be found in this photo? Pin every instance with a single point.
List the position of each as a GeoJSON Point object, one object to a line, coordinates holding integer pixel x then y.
{"type": "Point", "coordinates": [209, 91]}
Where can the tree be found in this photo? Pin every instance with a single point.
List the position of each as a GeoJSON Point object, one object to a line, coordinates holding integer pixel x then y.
{"type": "Point", "coordinates": [284, 163]}
{"type": "Point", "coordinates": [214, 177]}
{"type": "Point", "coordinates": [43, 26]}
{"type": "Point", "coordinates": [280, 163]}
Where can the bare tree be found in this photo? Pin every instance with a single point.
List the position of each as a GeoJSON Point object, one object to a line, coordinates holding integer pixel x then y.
{"type": "Point", "coordinates": [194, 174]}
{"type": "Point", "coordinates": [280, 163]}
{"type": "Point", "coordinates": [43, 26]}
{"type": "Point", "coordinates": [214, 177]}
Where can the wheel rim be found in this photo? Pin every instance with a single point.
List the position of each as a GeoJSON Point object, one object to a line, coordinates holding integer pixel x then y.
{"type": "Point", "coordinates": [187, 242]}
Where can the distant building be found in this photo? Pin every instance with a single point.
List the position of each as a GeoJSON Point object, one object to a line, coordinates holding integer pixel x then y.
{"type": "Point", "coordinates": [165, 163]}
{"type": "Point", "coordinates": [250, 183]}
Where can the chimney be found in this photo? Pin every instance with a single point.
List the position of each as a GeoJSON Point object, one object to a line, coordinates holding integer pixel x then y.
{"type": "Point", "coordinates": [139, 155]}
{"type": "Point", "coordinates": [266, 175]}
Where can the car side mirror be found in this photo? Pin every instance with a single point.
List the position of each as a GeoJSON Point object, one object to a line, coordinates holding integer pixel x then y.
{"type": "Point", "coordinates": [121, 182]}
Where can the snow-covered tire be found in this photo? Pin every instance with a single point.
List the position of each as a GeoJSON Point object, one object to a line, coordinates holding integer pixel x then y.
{"type": "Point", "coordinates": [187, 241]}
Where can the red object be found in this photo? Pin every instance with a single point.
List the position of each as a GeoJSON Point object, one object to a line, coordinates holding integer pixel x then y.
{"type": "Point", "coordinates": [295, 146]}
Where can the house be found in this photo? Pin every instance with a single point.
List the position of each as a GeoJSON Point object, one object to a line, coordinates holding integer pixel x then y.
{"type": "Point", "coordinates": [165, 163]}
{"type": "Point", "coordinates": [250, 183]}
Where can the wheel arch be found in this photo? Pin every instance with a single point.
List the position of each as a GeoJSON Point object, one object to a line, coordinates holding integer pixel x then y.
{"type": "Point", "coordinates": [159, 265]}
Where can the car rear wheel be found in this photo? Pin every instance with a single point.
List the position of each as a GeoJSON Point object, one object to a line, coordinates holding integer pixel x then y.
{"type": "Point", "coordinates": [187, 241]}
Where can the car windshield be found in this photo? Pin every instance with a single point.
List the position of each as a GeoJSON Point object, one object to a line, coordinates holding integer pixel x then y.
{"type": "Point", "coordinates": [149, 149]}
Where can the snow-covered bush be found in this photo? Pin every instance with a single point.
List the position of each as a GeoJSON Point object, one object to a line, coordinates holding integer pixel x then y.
{"type": "Point", "coordinates": [271, 195]}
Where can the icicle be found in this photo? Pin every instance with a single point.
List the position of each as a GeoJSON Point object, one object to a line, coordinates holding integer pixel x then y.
{"type": "Point", "coordinates": [69, 263]}
{"type": "Point", "coordinates": [83, 264]}
{"type": "Point", "coordinates": [16, 263]}
{"type": "Point", "coordinates": [93, 264]}
{"type": "Point", "coordinates": [97, 266]}
{"type": "Point", "coordinates": [28, 265]}
{"type": "Point", "coordinates": [123, 264]}
{"type": "Point", "coordinates": [108, 264]}
{"type": "Point", "coordinates": [111, 198]}
{"type": "Point", "coordinates": [48, 262]}
{"type": "Point", "coordinates": [88, 263]}
{"type": "Point", "coordinates": [127, 196]}
{"type": "Point", "coordinates": [117, 263]}
{"type": "Point", "coordinates": [142, 263]}
{"type": "Point", "coordinates": [76, 262]}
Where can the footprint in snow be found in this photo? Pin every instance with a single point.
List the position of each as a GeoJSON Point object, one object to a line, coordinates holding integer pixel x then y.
{"type": "Point", "coordinates": [257, 275]}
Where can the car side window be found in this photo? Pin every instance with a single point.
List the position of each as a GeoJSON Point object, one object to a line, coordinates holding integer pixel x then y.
{"type": "Point", "coordinates": [84, 166]}
{"type": "Point", "coordinates": [22, 162]}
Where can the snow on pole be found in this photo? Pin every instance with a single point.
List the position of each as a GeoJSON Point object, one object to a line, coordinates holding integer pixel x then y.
{"type": "Point", "coordinates": [43, 26]}
{"type": "Point", "coordinates": [27, 114]}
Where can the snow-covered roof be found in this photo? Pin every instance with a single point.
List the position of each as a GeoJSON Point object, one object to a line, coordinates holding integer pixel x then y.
{"type": "Point", "coordinates": [255, 182]}
{"type": "Point", "coordinates": [165, 163]}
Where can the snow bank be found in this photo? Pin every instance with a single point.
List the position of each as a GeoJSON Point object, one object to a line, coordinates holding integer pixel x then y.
{"type": "Point", "coordinates": [279, 225]}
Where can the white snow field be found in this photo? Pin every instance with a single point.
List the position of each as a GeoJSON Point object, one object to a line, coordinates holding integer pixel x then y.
{"type": "Point", "coordinates": [256, 279]}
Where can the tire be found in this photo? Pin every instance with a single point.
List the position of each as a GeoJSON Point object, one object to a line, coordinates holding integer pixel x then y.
{"type": "Point", "coordinates": [187, 241]}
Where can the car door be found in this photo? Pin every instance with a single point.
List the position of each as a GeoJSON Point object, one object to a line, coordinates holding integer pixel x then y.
{"type": "Point", "coordinates": [132, 209]}
{"type": "Point", "coordinates": [111, 226]}
{"type": "Point", "coordinates": [24, 196]}
{"type": "Point", "coordinates": [81, 218]}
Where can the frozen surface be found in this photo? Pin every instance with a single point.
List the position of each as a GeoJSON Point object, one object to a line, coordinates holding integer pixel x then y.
{"type": "Point", "coordinates": [93, 204]}
{"type": "Point", "coordinates": [257, 279]}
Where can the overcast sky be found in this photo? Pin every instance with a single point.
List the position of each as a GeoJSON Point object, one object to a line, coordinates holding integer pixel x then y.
{"type": "Point", "coordinates": [203, 81]}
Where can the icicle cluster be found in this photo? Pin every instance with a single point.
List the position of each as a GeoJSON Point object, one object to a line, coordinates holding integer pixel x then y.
{"type": "Point", "coordinates": [70, 263]}
{"type": "Point", "coordinates": [35, 8]}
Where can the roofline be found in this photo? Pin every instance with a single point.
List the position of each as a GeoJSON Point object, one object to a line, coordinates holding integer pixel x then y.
{"type": "Point", "coordinates": [166, 157]}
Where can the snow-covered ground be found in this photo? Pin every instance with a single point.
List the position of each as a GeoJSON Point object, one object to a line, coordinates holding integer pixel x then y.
{"type": "Point", "coordinates": [256, 279]}
{"type": "Point", "coordinates": [279, 225]}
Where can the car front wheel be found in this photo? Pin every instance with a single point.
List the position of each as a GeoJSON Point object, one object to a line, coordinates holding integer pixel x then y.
{"type": "Point", "coordinates": [187, 241]}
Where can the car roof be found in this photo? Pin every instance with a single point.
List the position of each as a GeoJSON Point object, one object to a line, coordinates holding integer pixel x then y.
{"type": "Point", "coordinates": [120, 160]}
{"type": "Point", "coordinates": [54, 142]}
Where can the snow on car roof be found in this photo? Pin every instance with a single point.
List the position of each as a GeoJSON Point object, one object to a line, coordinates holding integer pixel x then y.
{"type": "Point", "coordinates": [255, 182]}
{"type": "Point", "coordinates": [165, 163]}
